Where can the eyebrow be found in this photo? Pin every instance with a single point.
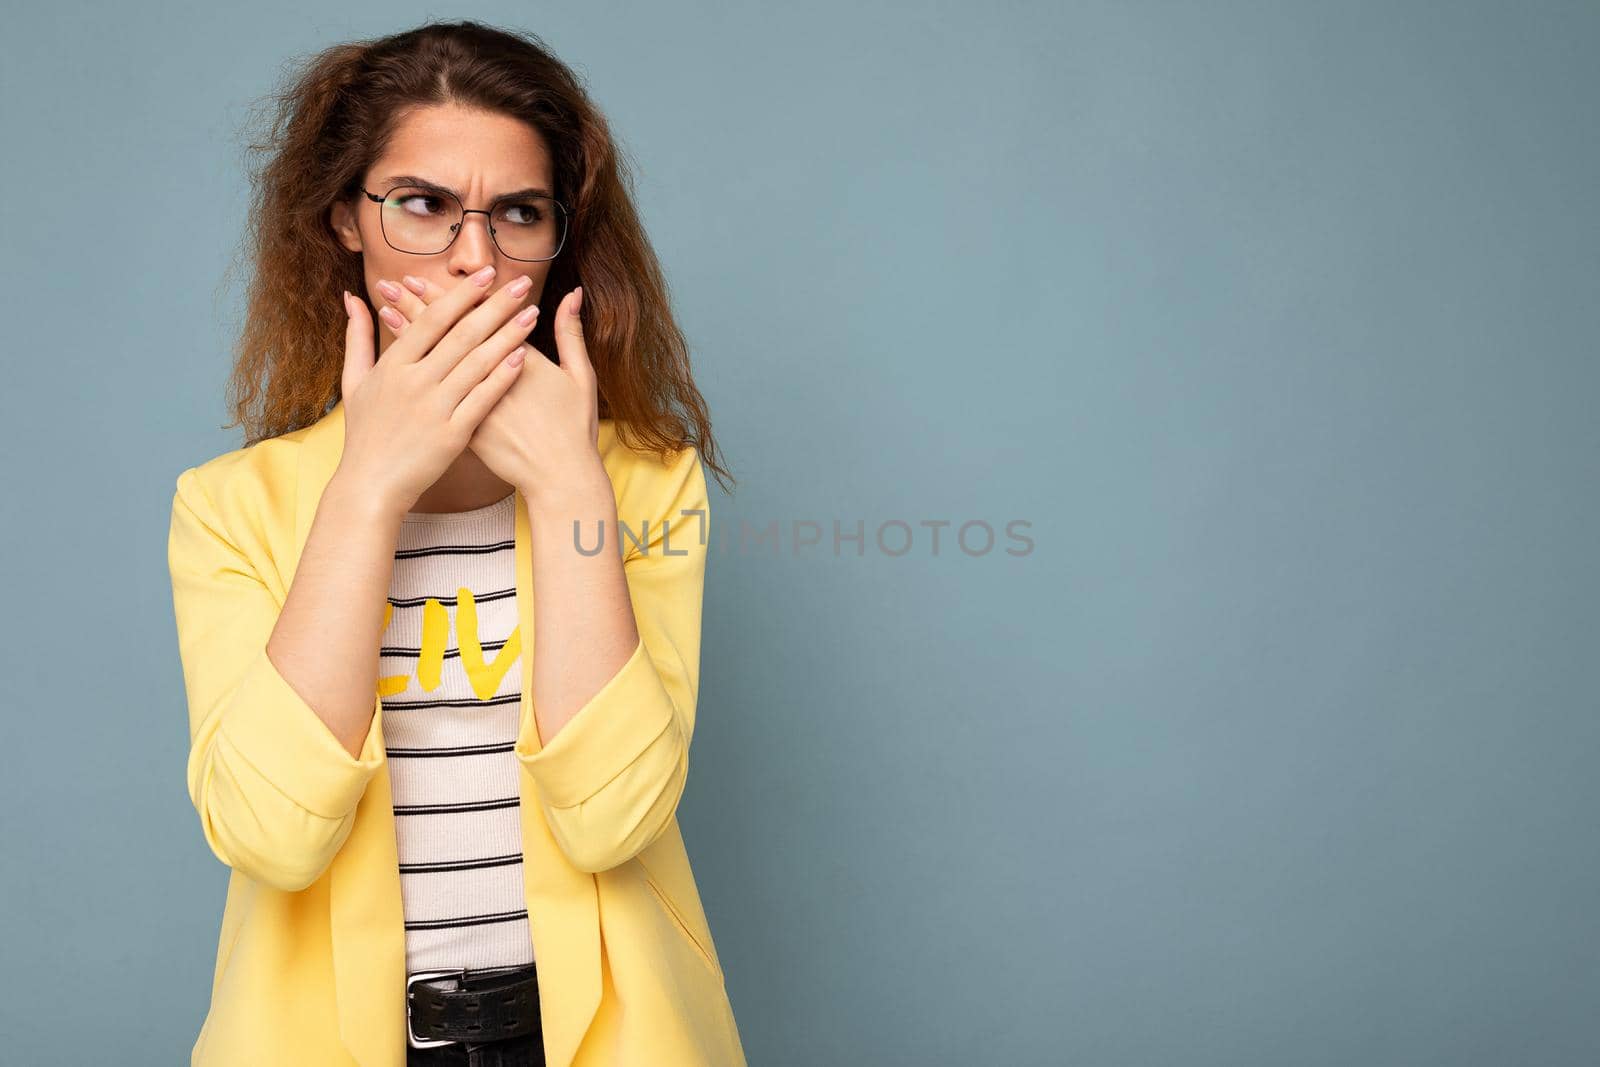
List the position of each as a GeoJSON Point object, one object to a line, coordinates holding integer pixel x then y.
{"type": "Point", "coordinates": [412, 179]}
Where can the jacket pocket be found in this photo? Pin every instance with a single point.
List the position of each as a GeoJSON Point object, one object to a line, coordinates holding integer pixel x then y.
{"type": "Point", "coordinates": [683, 926]}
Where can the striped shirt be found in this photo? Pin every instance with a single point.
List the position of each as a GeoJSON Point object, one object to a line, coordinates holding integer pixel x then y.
{"type": "Point", "coordinates": [450, 681]}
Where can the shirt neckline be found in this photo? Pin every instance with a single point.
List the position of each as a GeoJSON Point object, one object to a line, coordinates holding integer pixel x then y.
{"type": "Point", "coordinates": [448, 517]}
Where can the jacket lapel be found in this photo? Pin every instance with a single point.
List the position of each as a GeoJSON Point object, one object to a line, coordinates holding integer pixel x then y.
{"type": "Point", "coordinates": [366, 911]}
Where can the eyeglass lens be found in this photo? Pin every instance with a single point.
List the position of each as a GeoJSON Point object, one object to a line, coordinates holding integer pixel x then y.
{"type": "Point", "coordinates": [425, 221]}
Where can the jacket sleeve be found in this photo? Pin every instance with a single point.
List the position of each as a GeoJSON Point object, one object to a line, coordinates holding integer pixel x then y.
{"type": "Point", "coordinates": [275, 790]}
{"type": "Point", "coordinates": [609, 781]}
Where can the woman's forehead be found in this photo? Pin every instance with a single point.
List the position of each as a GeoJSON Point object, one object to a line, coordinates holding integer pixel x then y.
{"type": "Point", "coordinates": [467, 150]}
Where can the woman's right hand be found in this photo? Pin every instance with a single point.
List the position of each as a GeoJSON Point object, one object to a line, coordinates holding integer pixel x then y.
{"type": "Point", "coordinates": [411, 413]}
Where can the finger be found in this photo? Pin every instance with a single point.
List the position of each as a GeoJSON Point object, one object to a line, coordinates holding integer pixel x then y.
{"type": "Point", "coordinates": [359, 350]}
{"type": "Point", "coordinates": [402, 300]}
{"type": "Point", "coordinates": [481, 360]}
{"type": "Point", "coordinates": [476, 326]}
{"type": "Point", "coordinates": [487, 393]}
{"type": "Point", "coordinates": [422, 287]}
{"type": "Point", "coordinates": [570, 345]}
{"type": "Point", "coordinates": [423, 332]}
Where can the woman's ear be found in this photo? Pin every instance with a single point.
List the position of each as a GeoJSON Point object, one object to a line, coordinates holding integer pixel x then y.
{"type": "Point", "coordinates": [343, 223]}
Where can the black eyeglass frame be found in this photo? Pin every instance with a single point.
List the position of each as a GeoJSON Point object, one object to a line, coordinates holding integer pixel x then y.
{"type": "Point", "coordinates": [566, 214]}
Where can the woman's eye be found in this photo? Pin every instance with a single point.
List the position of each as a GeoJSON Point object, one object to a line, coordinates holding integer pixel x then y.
{"type": "Point", "coordinates": [420, 205]}
{"type": "Point", "coordinates": [522, 214]}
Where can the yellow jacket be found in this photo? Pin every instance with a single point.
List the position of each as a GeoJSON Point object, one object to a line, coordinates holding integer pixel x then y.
{"type": "Point", "coordinates": [311, 959]}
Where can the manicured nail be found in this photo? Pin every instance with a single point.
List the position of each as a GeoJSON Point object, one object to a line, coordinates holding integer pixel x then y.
{"type": "Point", "coordinates": [526, 316]}
{"type": "Point", "coordinates": [416, 285]}
{"type": "Point", "coordinates": [391, 316]}
{"type": "Point", "coordinates": [520, 286]}
{"type": "Point", "coordinates": [484, 276]}
{"type": "Point", "coordinates": [389, 289]}
{"type": "Point", "coordinates": [577, 301]}
{"type": "Point", "coordinates": [350, 312]}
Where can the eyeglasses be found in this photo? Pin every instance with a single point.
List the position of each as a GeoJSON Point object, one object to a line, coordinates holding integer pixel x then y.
{"type": "Point", "coordinates": [424, 221]}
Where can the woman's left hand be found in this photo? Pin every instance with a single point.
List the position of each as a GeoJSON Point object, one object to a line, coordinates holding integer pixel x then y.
{"type": "Point", "coordinates": [543, 434]}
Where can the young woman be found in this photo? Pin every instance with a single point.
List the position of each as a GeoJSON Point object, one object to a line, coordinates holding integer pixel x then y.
{"type": "Point", "coordinates": [441, 639]}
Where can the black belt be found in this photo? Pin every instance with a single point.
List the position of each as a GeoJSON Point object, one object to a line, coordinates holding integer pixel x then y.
{"type": "Point", "coordinates": [482, 1012]}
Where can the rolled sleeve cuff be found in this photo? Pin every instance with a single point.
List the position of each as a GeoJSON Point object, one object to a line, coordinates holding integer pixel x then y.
{"type": "Point", "coordinates": [278, 733]}
{"type": "Point", "coordinates": [606, 735]}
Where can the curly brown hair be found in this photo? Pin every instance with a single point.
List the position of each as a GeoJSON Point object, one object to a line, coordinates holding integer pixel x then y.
{"type": "Point", "coordinates": [332, 120]}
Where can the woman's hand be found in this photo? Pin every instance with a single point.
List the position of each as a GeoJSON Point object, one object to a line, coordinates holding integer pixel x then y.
{"type": "Point", "coordinates": [543, 436]}
{"type": "Point", "coordinates": [409, 414]}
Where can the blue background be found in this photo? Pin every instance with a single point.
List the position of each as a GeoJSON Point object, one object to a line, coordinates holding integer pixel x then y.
{"type": "Point", "coordinates": [1275, 322]}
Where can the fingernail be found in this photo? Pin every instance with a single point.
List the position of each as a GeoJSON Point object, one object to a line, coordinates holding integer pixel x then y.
{"type": "Point", "coordinates": [416, 285]}
{"type": "Point", "coordinates": [526, 316]}
{"type": "Point", "coordinates": [349, 311]}
{"type": "Point", "coordinates": [389, 289]}
{"type": "Point", "coordinates": [392, 317]}
{"type": "Point", "coordinates": [520, 286]}
{"type": "Point", "coordinates": [577, 301]}
{"type": "Point", "coordinates": [483, 276]}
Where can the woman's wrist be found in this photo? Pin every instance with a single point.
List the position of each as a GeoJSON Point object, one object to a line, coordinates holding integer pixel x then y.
{"type": "Point", "coordinates": [364, 498]}
{"type": "Point", "coordinates": [586, 494]}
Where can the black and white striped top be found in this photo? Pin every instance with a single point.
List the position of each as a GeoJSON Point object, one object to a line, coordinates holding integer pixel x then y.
{"type": "Point", "coordinates": [451, 692]}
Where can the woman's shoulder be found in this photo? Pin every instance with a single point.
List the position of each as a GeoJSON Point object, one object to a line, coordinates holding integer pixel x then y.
{"type": "Point", "coordinates": [246, 482]}
{"type": "Point", "coordinates": [648, 478]}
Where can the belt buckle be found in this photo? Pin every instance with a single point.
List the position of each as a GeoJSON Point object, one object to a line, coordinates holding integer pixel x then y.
{"type": "Point", "coordinates": [421, 976]}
